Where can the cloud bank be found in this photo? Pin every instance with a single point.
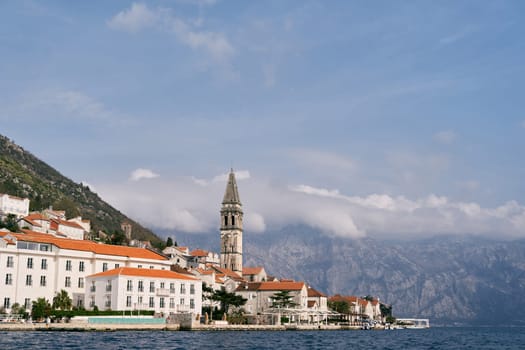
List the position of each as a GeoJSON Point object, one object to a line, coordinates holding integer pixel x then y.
{"type": "Point", "coordinates": [184, 204]}
{"type": "Point", "coordinates": [140, 174]}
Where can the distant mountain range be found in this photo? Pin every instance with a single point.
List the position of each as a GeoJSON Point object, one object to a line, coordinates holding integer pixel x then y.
{"type": "Point", "coordinates": [24, 175]}
{"type": "Point", "coordinates": [451, 279]}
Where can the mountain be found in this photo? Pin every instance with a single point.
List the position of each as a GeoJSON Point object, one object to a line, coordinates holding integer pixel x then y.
{"type": "Point", "coordinates": [449, 279]}
{"type": "Point", "coordinates": [24, 175]}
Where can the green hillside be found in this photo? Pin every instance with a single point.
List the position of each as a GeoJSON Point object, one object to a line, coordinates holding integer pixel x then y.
{"type": "Point", "coordinates": [24, 175]}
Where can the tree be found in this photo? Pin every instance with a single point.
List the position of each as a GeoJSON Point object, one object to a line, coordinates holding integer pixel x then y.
{"type": "Point", "coordinates": [226, 299]}
{"type": "Point", "coordinates": [68, 206]}
{"type": "Point", "coordinates": [40, 309]}
{"type": "Point", "coordinates": [10, 223]}
{"type": "Point", "coordinates": [118, 238]}
{"type": "Point", "coordinates": [62, 301]}
{"type": "Point", "coordinates": [340, 306]}
{"type": "Point", "coordinates": [283, 299]}
{"type": "Point", "coordinates": [169, 242]}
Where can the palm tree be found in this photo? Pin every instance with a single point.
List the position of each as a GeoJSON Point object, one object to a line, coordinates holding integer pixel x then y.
{"type": "Point", "coordinates": [62, 301]}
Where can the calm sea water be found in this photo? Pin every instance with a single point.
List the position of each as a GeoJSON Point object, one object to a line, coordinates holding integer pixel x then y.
{"type": "Point", "coordinates": [434, 338]}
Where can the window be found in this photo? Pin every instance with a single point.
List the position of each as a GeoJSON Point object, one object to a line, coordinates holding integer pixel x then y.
{"type": "Point", "coordinates": [161, 303]}
{"type": "Point", "coordinates": [81, 282]}
{"type": "Point", "coordinates": [29, 263]}
{"type": "Point", "coordinates": [172, 288]}
{"type": "Point", "coordinates": [108, 302]}
{"type": "Point", "coordinates": [192, 304]}
{"type": "Point", "coordinates": [152, 287]}
{"type": "Point", "coordinates": [151, 302]}
{"type": "Point", "coordinates": [128, 301]}
{"type": "Point", "coordinates": [27, 304]}
{"type": "Point", "coordinates": [93, 287]}
{"type": "Point", "coordinates": [117, 266]}
{"type": "Point", "coordinates": [139, 301]}
{"type": "Point", "coordinates": [181, 301]}
{"type": "Point", "coordinates": [108, 286]}
{"type": "Point", "coordinates": [8, 279]}
{"type": "Point", "coordinates": [81, 266]}
{"type": "Point", "coordinates": [29, 280]}
{"type": "Point", "coordinates": [225, 220]}
{"type": "Point", "coordinates": [43, 281]}
{"type": "Point", "coordinates": [68, 265]}
{"type": "Point", "coordinates": [233, 220]}
{"type": "Point", "coordinates": [182, 288]}
{"type": "Point", "coordinates": [141, 286]}
{"type": "Point", "coordinates": [139, 266]}
{"type": "Point", "coordinates": [10, 261]}
{"type": "Point", "coordinates": [151, 267]}
{"type": "Point", "coordinates": [7, 303]}
{"type": "Point", "coordinates": [172, 303]}
{"type": "Point", "coordinates": [68, 282]}
{"type": "Point", "coordinates": [129, 286]}
{"type": "Point", "coordinates": [80, 303]}
{"type": "Point", "coordinates": [104, 267]}
{"type": "Point", "coordinates": [162, 285]}
{"type": "Point", "coordinates": [192, 289]}
{"type": "Point", "coordinates": [43, 264]}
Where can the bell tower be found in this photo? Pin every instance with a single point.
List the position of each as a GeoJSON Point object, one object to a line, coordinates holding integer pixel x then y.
{"type": "Point", "coordinates": [231, 227]}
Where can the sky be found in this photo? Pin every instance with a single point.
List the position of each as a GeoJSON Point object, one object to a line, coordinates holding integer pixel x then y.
{"type": "Point", "coordinates": [357, 118]}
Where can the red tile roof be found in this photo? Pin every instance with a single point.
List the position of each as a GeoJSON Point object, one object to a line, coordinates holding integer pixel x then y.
{"type": "Point", "coordinates": [132, 271]}
{"type": "Point", "coordinates": [252, 270]}
{"type": "Point", "coordinates": [313, 293]}
{"type": "Point", "coordinates": [199, 252]}
{"type": "Point", "coordinates": [89, 246]}
{"type": "Point", "coordinates": [227, 272]}
{"type": "Point", "coordinates": [270, 286]}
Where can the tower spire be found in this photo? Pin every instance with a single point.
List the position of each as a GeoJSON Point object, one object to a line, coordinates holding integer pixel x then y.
{"type": "Point", "coordinates": [231, 227]}
{"type": "Point", "coordinates": [231, 195]}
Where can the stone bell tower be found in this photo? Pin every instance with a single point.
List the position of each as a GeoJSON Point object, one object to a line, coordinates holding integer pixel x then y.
{"type": "Point", "coordinates": [231, 227]}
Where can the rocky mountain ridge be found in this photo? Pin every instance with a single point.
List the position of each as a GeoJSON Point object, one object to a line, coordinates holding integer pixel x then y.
{"type": "Point", "coordinates": [449, 279]}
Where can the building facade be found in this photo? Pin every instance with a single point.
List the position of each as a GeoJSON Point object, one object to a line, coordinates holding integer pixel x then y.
{"type": "Point", "coordinates": [231, 227]}
{"type": "Point", "coordinates": [11, 205]}
{"type": "Point", "coordinates": [134, 289]}
{"type": "Point", "coordinates": [37, 265]}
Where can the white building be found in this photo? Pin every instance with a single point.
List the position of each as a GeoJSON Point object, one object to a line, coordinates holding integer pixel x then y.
{"type": "Point", "coordinates": [13, 205]}
{"type": "Point", "coordinates": [75, 228]}
{"type": "Point", "coordinates": [36, 265]}
{"type": "Point", "coordinates": [134, 289]}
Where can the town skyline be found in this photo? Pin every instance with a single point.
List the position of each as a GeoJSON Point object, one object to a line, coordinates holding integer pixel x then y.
{"type": "Point", "coordinates": [355, 120]}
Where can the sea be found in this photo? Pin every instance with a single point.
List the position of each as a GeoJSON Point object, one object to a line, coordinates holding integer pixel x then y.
{"type": "Point", "coordinates": [433, 338]}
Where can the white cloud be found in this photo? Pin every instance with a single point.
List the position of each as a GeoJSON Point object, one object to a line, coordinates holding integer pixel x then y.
{"type": "Point", "coordinates": [254, 222]}
{"type": "Point", "coordinates": [139, 17]}
{"type": "Point", "coordinates": [140, 173]}
{"type": "Point", "coordinates": [446, 137]}
{"type": "Point", "coordinates": [134, 19]}
{"type": "Point", "coordinates": [184, 204]}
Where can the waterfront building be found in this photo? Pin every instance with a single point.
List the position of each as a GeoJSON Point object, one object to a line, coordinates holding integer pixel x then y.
{"type": "Point", "coordinates": [38, 265]}
{"type": "Point", "coordinates": [133, 289]}
{"type": "Point", "coordinates": [12, 205]}
{"type": "Point", "coordinates": [231, 227]}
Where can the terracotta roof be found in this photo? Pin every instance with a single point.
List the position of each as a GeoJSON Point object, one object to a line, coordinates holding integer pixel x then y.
{"type": "Point", "coordinates": [36, 216]}
{"type": "Point", "coordinates": [133, 271]}
{"type": "Point", "coordinates": [270, 286]}
{"type": "Point", "coordinates": [31, 222]}
{"type": "Point", "coordinates": [252, 270]}
{"type": "Point", "coordinates": [348, 298]}
{"type": "Point", "coordinates": [67, 223]}
{"type": "Point", "coordinates": [227, 272]}
{"type": "Point", "coordinates": [199, 252]}
{"type": "Point", "coordinates": [89, 246]}
{"type": "Point", "coordinates": [313, 293]}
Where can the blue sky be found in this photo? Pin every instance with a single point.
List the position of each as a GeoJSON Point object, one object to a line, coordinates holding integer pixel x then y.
{"type": "Point", "coordinates": [355, 117]}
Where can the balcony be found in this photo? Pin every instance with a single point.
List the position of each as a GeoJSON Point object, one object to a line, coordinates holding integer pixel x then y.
{"type": "Point", "coordinates": [163, 292]}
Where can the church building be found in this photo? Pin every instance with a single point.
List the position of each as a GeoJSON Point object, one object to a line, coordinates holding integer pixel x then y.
{"type": "Point", "coordinates": [231, 227]}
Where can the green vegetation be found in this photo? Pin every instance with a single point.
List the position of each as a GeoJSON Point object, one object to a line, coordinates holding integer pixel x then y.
{"type": "Point", "coordinates": [283, 299]}
{"type": "Point", "coordinates": [9, 222]}
{"type": "Point", "coordinates": [24, 175]}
